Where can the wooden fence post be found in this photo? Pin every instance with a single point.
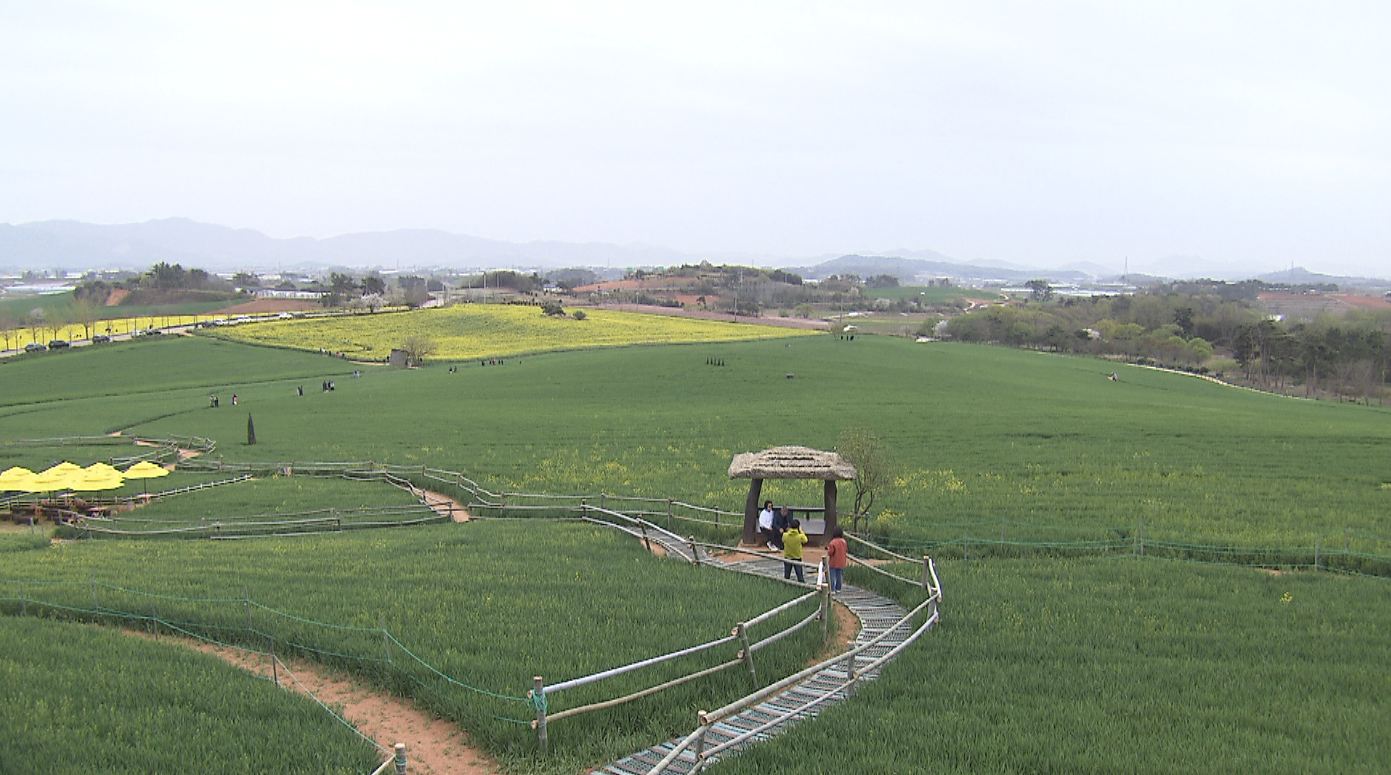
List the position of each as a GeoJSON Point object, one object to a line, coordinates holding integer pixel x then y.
{"type": "Point", "coordinates": [1316, 555]}
{"type": "Point", "coordinates": [602, 501]}
{"type": "Point", "coordinates": [700, 742]}
{"type": "Point", "coordinates": [537, 695]}
{"type": "Point", "coordinates": [400, 759]}
{"type": "Point", "coordinates": [274, 668]}
{"type": "Point", "coordinates": [695, 551]}
{"type": "Point", "coordinates": [927, 574]}
{"type": "Point", "coordinates": [746, 653]}
{"type": "Point", "coordinates": [670, 516]}
{"type": "Point", "coordinates": [645, 541]}
{"type": "Point", "coordinates": [825, 571]}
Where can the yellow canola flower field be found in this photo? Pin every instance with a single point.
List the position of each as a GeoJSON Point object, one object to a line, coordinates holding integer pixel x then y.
{"type": "Point", "coordinates": [493, 330]}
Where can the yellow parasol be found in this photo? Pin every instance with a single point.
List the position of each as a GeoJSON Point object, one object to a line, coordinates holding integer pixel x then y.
{"type": "Point", "coordinates": [90, 481]}
{"type": "Point", "coordinates": [101, 469]}
{"type": "Point", "coordinates": [16, 479]}
{"type": "Point", "coordinates": [146, 470]}
{"type": "Point", "coordinates": [55, 478]}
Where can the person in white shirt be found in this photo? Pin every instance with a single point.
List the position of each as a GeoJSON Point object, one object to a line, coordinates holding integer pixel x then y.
{"type": "Point", "coordinates": [765, 525]}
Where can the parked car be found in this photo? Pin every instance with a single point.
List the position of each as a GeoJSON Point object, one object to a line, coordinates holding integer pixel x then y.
{"type": "Point", "coordinates": [150, 332]}
{"type": "Point", "coordinates": [100, 339]}
{"type": "Point", "coordinates": [34, 347]}
{"type": "Point", "coordinates": [57, 344]}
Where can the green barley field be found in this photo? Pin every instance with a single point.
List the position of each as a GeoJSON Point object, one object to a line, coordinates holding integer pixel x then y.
{"type": "Point", "coordinates": [80, 699]}
{"type": "Point", "coordinates": [998, 452]}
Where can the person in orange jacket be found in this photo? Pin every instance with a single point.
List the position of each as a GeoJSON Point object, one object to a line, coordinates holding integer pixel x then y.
{"type": "Point", "coordinates": [837, 556]}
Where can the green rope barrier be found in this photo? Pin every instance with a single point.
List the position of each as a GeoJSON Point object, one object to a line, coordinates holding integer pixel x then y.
{"type": "Point", "coordinates": [454, 681]}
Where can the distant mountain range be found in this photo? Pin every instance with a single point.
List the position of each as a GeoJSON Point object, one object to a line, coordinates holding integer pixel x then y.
{"type": "Point", "coordinates": [1300, 276]}
{"type": "Point", "coordinates": [908, 270]}
{"type": "Point", "coordinates": [78, 246]}
{"type": "Point", "coordinates": [75, 246]}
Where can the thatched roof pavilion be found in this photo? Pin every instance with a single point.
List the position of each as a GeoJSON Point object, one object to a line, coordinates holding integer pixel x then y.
{"type": "Point", "coordinates": [789, 463]}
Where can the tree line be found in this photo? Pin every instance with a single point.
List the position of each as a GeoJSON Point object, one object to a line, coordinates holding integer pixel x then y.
{"type": "Point", "coordinates": [1347, 355]}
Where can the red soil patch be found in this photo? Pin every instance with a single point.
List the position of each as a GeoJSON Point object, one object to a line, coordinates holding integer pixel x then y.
{"type": "Point", "coordinates": [1364, 302]}
{"type": "Point", "coordinates": [847, 627]}
{"type": "Point", "coordinates": [432, 745]}
{"type": "Point", "coordinates": [693, 299]}
{"type": "Point", "coordinates": [262, 306]}
{"type": "Point", "coordinates": [116, 296]}
{"type": "Point", "coordinates": [651, 283]}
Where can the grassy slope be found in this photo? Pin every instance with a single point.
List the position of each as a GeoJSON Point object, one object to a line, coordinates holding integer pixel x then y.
{"type": "Point", "coordinates": [130, 372]}
{"type": "Point", "coordinates": [491, 604]}
{"type": "Point", "coordinates": [1121, 665]}
{"type": "Point", "coordinates": [1042, 445]}
{"type": "Point", "coordinates": [106, 702]}
{"type": "Point", "coordinates": [272, 499]}
{"type": "Point", "coordinates": [982, 434]}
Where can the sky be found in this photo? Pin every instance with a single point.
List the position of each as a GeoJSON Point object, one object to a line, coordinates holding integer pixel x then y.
{"type": "Point", "coordinates": [1250, 135]}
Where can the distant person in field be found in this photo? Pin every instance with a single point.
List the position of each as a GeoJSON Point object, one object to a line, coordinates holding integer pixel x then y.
{"type": "Point", "coordinates": [793, 539]}
{"type": "Point", "coordinates": [234, 399]}
{"type": "Point", "coordinates": [837, 555]}
{"type": "Point", "coordinates": [765, 525]}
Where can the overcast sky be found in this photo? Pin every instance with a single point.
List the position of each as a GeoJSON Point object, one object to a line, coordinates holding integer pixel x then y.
{"type": "Point", "coordinates": [1250, 134]}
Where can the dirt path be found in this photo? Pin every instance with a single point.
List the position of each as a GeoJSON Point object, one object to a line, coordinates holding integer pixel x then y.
{"type": "Point", "coordinates": [445, 505]}
{"type": "Point", "coordinates": [432, 745]}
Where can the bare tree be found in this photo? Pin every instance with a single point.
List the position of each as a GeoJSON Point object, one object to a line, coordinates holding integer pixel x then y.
{"type": "Point", "coordinates": [417, 349]}
{"type": "Point", "coordinates": [7, 329]}
{"type": "Point", "coordinates": [37, 321]}
{"type": "Point", "coordinates": [873, 469]}
{"type": "Point", "coordinates": [85, 314]}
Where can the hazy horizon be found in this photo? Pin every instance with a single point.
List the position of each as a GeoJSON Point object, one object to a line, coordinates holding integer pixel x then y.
{"type": "Point", "coordinates": [1239, 135]}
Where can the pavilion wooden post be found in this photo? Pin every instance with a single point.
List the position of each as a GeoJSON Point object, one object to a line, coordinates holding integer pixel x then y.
{"type": "Point", "coordinates": [830, 504]}
{"type": "Point", "coordinates": [751, 512]}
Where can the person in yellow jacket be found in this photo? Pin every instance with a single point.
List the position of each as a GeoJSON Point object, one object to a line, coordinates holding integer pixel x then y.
{"type": "Point", "coordinates": [793, 539]}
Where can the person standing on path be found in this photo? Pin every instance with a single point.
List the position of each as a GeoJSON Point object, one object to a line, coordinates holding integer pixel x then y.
{"type": "Point", "coordinates": [837, 554]}
{"type": "Point", "coordinates": [792, 542]}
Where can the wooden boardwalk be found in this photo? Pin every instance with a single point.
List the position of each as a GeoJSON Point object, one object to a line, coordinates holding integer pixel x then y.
{"type": "Point", "coordinates": [876, 614]}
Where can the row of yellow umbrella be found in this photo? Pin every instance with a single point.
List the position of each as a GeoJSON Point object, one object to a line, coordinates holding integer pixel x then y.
{"type": "Point", "coordinates": [70, 476]}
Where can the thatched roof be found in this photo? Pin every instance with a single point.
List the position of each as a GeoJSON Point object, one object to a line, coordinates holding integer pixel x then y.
{"type": "Point", "coordinates": [790, 463]}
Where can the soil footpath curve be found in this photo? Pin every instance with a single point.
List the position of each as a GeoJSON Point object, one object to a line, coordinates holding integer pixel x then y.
{"type": "Point", "coordinates": [445, 505]}
{"type": "Point", "coordinates": [433, 746]}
